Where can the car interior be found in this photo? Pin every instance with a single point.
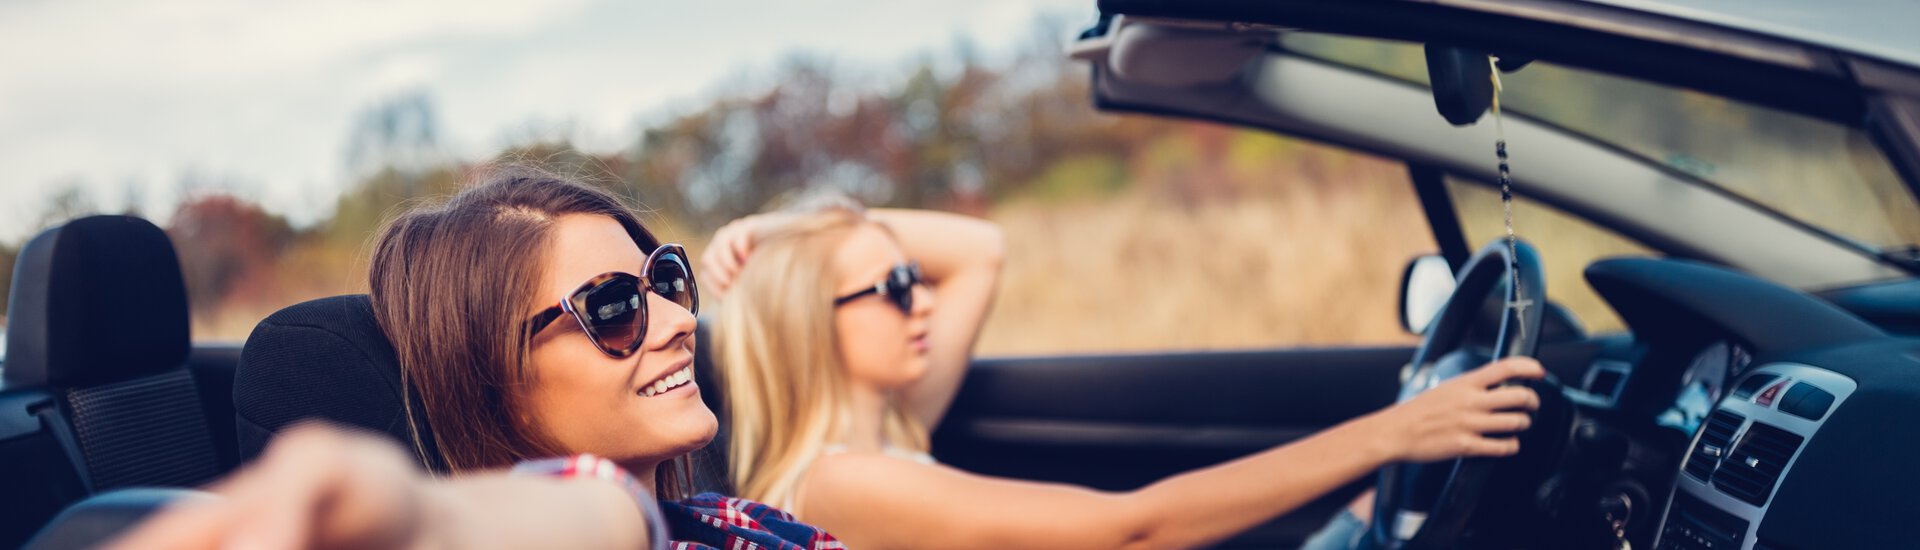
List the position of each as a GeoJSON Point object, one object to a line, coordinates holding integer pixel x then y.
{"type": "Point", "coordinates": [1756, 399]}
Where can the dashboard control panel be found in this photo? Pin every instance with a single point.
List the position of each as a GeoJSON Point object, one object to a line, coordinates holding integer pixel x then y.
{"type": "Point", "coordinates": [1743, 451]}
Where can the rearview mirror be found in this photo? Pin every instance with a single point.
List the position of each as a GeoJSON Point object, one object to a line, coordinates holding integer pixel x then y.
{"type": "Point", "coordinates": [1424, 289]}
{"type": "Point", "coordinates": [1462, 83]}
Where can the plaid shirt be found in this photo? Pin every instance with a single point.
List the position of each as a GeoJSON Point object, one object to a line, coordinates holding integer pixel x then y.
{"type": "Point", "coordinates": [706, 521]}
{"type": "Point", "coordinates": [712, 521]}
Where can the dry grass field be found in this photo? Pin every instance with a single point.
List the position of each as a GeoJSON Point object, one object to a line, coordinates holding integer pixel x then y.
{"type": "Point", "coordinates": [1307, 249]}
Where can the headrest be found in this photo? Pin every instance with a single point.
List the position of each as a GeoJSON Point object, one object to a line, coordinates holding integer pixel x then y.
{"type": "Point", "coordinates": [324, 359]}
{"type": "Point", "coordinates": [96, 300]}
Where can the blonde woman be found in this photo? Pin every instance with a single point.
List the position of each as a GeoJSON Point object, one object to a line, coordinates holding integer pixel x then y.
{"type": "Point", "coordinates": [844, 334]}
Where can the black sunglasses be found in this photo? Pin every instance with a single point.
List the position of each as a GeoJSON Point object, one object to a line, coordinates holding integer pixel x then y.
{"type": "Point", "coordinates": [612, 307]}
{"type": "Point", "coordinates": [897, 287]}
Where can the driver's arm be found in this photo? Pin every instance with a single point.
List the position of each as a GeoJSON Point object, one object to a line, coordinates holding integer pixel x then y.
{"type": "Point", "coordinates": [878, 501]}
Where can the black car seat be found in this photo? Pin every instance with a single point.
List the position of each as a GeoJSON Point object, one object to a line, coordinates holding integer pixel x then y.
{"type": "Point", "coordinates": [323, 359]}
{"type": "Point", "coordinates": [327, 359]}
{"type": "Point", "coordinates": [97, 341]}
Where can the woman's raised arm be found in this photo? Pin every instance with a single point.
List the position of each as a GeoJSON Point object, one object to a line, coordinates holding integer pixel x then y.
{"type": "Point", "coordinates": [960, 256]}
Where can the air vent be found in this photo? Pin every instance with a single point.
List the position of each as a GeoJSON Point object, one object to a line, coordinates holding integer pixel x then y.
{"type": "Point", "coordinates": [1750, 473]}
{"type": "Point", "coordinates": [1713, 444]}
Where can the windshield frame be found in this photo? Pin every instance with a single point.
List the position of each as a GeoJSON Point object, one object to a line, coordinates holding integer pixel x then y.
{"type": "Point", "coordinates": [1890, 255]}
{"type": "Point", "coordinates": [1823, 81]}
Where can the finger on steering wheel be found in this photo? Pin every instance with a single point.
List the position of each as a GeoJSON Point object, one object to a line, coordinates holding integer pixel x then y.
{"type": "Point", "coordinates": [1501, 423]}
{"type": "Point", "coordinates": [1487, 446]}
{"type": "Point", "coordinates": [1511, 397]}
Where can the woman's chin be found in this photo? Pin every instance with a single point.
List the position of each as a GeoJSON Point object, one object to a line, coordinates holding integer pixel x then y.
{"type": "Point", "coordinates": [916, 369]}
{"type": "Point", "coordinates": [669, 435]}
{"type": "Point", "coordinates": [695, 431]}
{"type": "Point", "coordinates": [708, 432]}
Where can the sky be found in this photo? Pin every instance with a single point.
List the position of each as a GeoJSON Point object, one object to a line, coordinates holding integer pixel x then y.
{"type": "Point", "coordinates": [127, 99]}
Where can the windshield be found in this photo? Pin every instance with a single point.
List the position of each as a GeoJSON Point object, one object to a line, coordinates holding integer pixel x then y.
{"type": "Point", "coordinates": [1822, 174]}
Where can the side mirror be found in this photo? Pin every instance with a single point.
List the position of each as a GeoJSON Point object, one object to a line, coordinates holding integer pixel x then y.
{"type": "Point", "coordinates": [1424, 289]}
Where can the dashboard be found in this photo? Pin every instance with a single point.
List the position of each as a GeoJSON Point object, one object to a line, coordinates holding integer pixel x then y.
{"type": "Point", "coordinates": [1774, 419]}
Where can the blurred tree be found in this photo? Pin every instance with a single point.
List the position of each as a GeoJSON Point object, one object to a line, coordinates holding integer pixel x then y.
{"type": "Point", "coordinates": [368, 203]}
{"type": "Point", "coordinates": [223, 240]}
{"type": "Point", "coordinates": [400, 133]}
{"type": "Point", "coordinates": [560, 157]}
{"type": "Point", "coordinates": [133, 198]}
{"type": "Point", "coordinates": [70, 200]}
{"type": "Point", "coordinates": [394, 154]}
{"type": "Point", "coordinates": [8, 255]}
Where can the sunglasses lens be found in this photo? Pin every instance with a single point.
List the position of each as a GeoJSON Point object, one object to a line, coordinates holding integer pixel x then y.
{"type": "Point", "coordinates": [672, 280]}
{"type": "Point", "coordinates": [613, 310]}
{"type": "Point", "coordinates": [900, 287]}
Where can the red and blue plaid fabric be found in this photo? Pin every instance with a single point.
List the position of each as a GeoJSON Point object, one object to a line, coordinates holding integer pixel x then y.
{"type": "Point", "coordinates": [709, 520]}
{"type": "Point", "coordinates": [706, 521]}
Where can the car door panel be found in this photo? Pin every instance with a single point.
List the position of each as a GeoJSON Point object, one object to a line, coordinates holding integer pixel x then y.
{"type": "Point", "coordinates": [1124, 421]}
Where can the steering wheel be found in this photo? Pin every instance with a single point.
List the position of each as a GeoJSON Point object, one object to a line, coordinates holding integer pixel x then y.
{"type": "Point", "coordinates": [1420, 506]}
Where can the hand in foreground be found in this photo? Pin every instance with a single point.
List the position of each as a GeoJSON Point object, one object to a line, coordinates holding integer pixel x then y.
{"type": "Point", "coordinates": [316, 487]}
{"type": "Point", "coordinates": [321, 487]}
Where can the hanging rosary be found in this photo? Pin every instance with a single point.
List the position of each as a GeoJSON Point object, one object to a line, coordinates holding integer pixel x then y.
{"type": "Point", "coordinates": [1514, 303]}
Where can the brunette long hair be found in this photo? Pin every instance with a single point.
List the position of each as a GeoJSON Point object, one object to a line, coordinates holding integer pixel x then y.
{"type": "Point", "coordinates": [451, 285]}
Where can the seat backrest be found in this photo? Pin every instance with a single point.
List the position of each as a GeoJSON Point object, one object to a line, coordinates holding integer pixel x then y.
{"type": "Point", "coordinates": [327, 359]}
{"type": "Point", "coordinates": [323, 359]}
{"type": "Point", "coordinates": [98, 317]}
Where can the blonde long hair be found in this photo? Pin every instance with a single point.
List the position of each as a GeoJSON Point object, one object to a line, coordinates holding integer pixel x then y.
{"type": "Point", "coordinates": [777, 350]}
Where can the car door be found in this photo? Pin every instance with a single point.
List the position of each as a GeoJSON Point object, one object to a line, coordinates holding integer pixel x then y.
{"type": "Point", "coordinates": [1120, 422]}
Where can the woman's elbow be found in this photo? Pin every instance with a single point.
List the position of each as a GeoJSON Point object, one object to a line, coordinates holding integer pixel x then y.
{"type": "Point", "coordinates": [1161, 536]}
{"type": "Point", "coordinates": [993, 245]}
{"type": "Point", "coordinates": [1144, 526]}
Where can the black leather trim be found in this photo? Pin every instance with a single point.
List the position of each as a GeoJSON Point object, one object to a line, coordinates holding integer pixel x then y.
{"type": "Point", "coordinates": [1069, 432]}
{"type": "Point", "coordinates": [96, 520]}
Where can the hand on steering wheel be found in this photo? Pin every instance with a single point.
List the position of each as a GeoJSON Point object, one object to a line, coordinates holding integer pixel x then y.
{"type": "Point", "coordinates": [1474, 414]}
{"type": "Point", "coordinates": [1430, 505]}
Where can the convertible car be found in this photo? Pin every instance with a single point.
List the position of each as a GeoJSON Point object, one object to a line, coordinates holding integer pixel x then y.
{"type": "Point", "coordinates": [1738, 368]}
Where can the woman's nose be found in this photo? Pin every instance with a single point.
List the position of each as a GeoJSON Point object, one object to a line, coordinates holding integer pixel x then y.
{"type": "Point", "coordinates": [923, 301]}
{"type": "Point", "coordinates": [667, 322]}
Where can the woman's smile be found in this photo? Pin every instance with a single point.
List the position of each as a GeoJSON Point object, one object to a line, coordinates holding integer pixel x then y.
{"type": "Point", "coordinates": [672, 382]}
